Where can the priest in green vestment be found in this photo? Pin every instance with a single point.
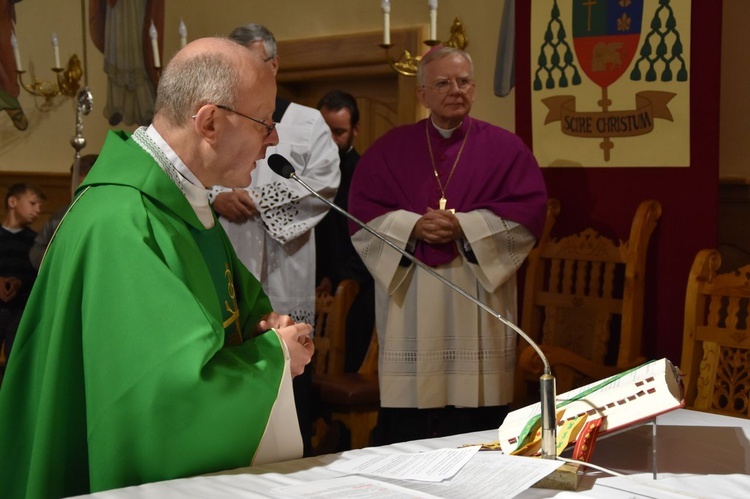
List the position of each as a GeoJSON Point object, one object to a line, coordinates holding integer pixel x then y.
{"type": "Point", "coordinates": [147, 351]}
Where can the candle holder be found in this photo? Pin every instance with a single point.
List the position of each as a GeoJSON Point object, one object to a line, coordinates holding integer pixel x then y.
{"type": "Point", "coordinates": [407, 63]}
{"type": "Point", "coordinates": [66, 84]}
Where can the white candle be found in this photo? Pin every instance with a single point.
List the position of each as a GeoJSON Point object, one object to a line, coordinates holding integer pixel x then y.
{"type": "Point", "coordinates": [56, 49]}
{"type": "Point", "coordinates": [432, 4]}
{"type": "Point", "coordinates": [16, 52]}
{"type": "Point", "coordinates": [154, 44]}
{"type": "Point", "coordinates": [386, 6]}
{"type": "Point", "coordinates": [183, 33]}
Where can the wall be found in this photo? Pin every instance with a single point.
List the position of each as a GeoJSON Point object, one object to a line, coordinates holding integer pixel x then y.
{"type": "Point", "coordinates": [734, 168]}
{"type": "Point", "coordinates": [606, 198]}
{"type": "Point", "coordinates": [45, 146]}
{"type": "Point", "coordinates": [688, 196]}
{"type": "Point", "coordinates": [735, 106]}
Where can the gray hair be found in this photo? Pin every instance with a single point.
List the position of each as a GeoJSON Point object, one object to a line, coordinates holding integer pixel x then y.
{"type": "Point", "coordinates": [251, 33]}
{"type": "Point", "coordinates": [440, 53]}
{"type": "Point", "coordinates": [191, 82]}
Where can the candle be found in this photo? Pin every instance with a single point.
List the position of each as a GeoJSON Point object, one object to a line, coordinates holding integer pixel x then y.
{"type": "Point", "coordinates": [56, 49]}
{"type": "Point", "coordinates": [386, 6]}
{"type": "Point", "coordinates": [16, 52]}
{"type": "Point", "coordinates": [183, 34]}
{"type": "Point", "coordinates": [154, 44]}
{"type": "Point", "coordinates": [432, 4]}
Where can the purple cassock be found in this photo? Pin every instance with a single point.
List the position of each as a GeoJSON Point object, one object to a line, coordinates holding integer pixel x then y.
{"type": "Point", "coordinates": [495, 172]}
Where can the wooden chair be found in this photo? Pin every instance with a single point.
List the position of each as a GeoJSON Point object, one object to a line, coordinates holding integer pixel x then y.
{"type": "Point", "coordinates": [553, 210]}
{"type": "Point", "coordinates": [351, 398]}
{"type": "Point", "coordinates": [330, 324]}
{"type": "Point", "coordinates": [583, 303]}
{"type": "Point", "coordinates": [716, 340]}
{"type": "Point", "coordinates": [354, 398]}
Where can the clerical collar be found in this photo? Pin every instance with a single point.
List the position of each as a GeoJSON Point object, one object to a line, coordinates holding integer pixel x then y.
{"type": "Point", "coordinates": [168, 160]}
{"type": "Point", "coordinates": [442, 131]}
{"type": "Point", "coordinates": [350, 149]}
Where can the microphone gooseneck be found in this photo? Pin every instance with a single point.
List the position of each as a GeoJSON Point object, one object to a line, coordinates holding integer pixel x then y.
{"type": "Point", "coordinates": [281, 166]}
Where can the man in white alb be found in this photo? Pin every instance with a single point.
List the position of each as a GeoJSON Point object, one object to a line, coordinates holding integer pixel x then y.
{"type": "Point", "coordinates": [271, 222]}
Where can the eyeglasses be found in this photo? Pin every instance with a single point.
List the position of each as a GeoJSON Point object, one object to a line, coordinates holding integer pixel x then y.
{"type": "Point", "coordinates": [269, 128]}
{"type": "Point", "coordinates": [443, 86]}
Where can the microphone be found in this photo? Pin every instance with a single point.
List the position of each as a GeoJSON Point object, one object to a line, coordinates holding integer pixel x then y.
{"type": "Point", "coordinates": [281, 166]}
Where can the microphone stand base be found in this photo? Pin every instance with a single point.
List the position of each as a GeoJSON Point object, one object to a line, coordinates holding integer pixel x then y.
{"type": "Point", "coordinates": [566, 477]}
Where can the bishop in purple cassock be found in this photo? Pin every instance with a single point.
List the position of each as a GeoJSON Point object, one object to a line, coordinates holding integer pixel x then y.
{"type": "Point", "coordinates": [468, 199]}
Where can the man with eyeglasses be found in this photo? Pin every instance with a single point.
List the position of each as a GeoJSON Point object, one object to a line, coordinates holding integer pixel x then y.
{"type": "Point", "coordinates": [468, 199]}
{"type": "Point", "coordinates": [270, 223]}
{"type": "Point", "coordinates": [147, 350]}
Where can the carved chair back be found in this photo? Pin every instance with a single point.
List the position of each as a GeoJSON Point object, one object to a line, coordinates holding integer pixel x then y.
{"type": "Point", "coordinates": [583, 302]}
{"type": "Point", "coordinates": [716, 340]}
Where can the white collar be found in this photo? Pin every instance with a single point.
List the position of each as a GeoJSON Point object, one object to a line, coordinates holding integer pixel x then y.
{"type": "Point", "coordinates": [446, 133]}
{"type": "Point", "coordinates": [168, 160]}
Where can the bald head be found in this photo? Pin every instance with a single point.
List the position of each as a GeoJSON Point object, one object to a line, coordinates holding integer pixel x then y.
{"type": "Point", "coordinates": [206, 71]}
{"type": "Point", "coordinates": [214, 107]}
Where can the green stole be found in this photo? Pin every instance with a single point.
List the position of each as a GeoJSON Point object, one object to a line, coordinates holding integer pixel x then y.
{"type": "Point", "coordinates": [211, 245]}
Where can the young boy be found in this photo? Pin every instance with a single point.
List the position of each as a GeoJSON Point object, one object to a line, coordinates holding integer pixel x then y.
{"type": "Point", "coordinates": [22, 205]}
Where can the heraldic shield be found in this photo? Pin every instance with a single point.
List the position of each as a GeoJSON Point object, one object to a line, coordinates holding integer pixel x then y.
{"type": "Point", "coordinates": [606, 34]}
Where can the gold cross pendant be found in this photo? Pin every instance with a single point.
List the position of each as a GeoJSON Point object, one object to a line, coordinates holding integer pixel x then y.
{"type": "Point", "coordinates": [443, 203]}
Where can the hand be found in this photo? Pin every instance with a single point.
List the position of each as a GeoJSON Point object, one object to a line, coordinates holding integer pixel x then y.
{"type": "Point", "coordinates": [274, 321]}
{"type": "Point", "coordinates": [9, 287]}
{"type": "Point", "coordinates": [300, 345]}
{"type": "Point", "coordinates": [235, 205]}
{"type": "Point", "coordinates": [438, 227]}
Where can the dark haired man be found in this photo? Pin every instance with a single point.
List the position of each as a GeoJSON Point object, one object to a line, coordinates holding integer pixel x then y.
{"type": "Point", "coordinates": [336, 258]}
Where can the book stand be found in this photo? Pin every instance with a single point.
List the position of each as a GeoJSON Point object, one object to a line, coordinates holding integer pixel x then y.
{"type": "Point", "coordinates": [568, 476]}
{"type": "Point", "coordinates": [654, 446]}
{"type": "Point", "coordinates": [654, 426]}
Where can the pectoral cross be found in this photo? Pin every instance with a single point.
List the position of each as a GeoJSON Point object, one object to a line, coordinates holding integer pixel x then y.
{"type": "Point", "coordinates": [443, 203]}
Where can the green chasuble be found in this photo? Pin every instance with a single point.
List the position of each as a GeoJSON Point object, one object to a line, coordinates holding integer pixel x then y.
{"type": "Point", "coordinates": [120, 373]}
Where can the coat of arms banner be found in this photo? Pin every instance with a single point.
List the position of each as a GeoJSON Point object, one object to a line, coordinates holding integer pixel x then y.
{"type": "Point", "coordinates": [610, 82]}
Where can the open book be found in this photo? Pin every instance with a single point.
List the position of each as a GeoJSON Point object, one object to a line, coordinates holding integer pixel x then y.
{"type": "Point", "coordinates": [625, 399]}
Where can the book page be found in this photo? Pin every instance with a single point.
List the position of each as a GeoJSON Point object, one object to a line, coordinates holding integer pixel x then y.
{"type": "Point", "coordinates": [430, 466]}
{"type": "Point", "coordinates": [487, 475]}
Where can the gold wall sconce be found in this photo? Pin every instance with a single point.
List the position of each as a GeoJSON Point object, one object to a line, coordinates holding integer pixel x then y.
{"type": "Point", "coordinates": [407, 63]}
{"type": "Point", "coordinates": [67, 79]}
